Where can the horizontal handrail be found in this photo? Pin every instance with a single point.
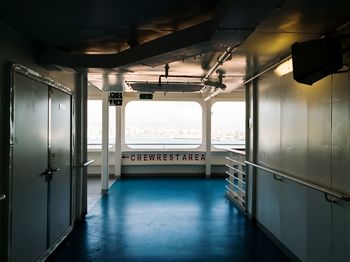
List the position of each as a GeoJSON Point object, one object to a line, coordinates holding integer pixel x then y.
{"type": "Point", "coordinates": [235, 169]}
{"type": "Point", "coordinates": [322, 189]}
{"type": "Point", "coordinates": [2, 196]}
{"type": "Point", "coordinates": [231, 183]}
{"type": "Point", "coordinates": [236, 178]}
{"type": "Point", "coordinates": [235, 161]}
{"type": "Point", "coordinates": [236, 195]}
{"type": "Point", "coordinates": [240, 152]}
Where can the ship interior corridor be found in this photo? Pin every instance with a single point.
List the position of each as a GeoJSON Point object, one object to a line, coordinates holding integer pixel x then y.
{"type": "Point", "coordinates": [175, 130]}
{"type": "Point", "coordinates": [167, 219]}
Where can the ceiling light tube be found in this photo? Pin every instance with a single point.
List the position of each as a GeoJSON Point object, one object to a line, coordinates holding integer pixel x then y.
{"type": "Point", "coordinates": [284, 68]}
{"type": "Point", "coordinates": [217, 91]}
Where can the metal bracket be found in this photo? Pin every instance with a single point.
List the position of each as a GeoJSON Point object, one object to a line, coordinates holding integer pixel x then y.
{"type": "Point", "coordinates": [276, 177]}
{"type": "Point", "coordinates": [329, 198]}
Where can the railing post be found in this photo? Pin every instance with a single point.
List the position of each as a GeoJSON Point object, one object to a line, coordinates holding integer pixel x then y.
{"type": "Point", "coordinates": [237, 178]}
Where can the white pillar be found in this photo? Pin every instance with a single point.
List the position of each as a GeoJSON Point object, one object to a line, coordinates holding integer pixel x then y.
{"type": "Point", "coordinates": [118, 142]}
{"type": "Point", "coordinates": [208, 138]}
{"type": "Point", "coordinates": [105, 149]}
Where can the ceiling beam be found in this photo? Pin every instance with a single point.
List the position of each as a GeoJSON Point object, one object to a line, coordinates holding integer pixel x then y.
{"type": "Point", "coordinates": [176, 45]}
{"type": "Point", "coordinates": [231, 24]}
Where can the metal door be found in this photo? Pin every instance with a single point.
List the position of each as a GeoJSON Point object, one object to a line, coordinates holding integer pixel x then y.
{"type": "Point", "coordinates": [29, 161]}
{"type": "Point", "coordinates": [60, 162]}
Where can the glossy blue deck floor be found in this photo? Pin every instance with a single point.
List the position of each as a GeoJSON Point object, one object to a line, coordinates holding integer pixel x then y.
{"type": "Point", "coordinates": [167, 219]}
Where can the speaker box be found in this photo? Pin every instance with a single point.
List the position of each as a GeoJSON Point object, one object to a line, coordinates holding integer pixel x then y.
{"type": "Point", "coordinates": [316, 59]}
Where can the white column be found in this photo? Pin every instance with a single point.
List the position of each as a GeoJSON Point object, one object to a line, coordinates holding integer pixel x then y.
{"type": "Point", "coordinates": [208, 138]}
{"type": "Point", "coordinates": [118, 142]}
{"type": "Point", "coordinates": [105, 124]}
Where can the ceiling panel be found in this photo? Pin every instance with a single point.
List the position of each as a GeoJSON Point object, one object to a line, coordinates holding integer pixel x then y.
{"type": "Point", "coordinates": [292, 21]}
{"type": "Point", "coordinates": [95, 26]}
{"type": "Point", "coordinates": [102, 26]}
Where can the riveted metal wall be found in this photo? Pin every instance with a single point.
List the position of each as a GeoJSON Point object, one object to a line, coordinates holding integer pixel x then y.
{"type": "Point", "coordinates": [341, 164]}
{"type": "Point", "coordinates": [295, 127]}
{"type": "Point", "coordinates": [340, 132]}
{"type": "Point", "coordinates": [294, 131]}
{"type": "Point", "coordinates": [269, 103]}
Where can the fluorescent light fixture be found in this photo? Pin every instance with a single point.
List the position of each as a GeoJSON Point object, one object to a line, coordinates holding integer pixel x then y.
{"type": "Point", "coordinates": [284, 68]}
{"type": "Point", "coordinates": [217, 91]}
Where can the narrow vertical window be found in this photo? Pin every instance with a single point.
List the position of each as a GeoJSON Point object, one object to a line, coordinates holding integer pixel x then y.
{"type": "Point", "coordinates": [95, 124]}
{"type": "Point", "coordinates": [228, 124]}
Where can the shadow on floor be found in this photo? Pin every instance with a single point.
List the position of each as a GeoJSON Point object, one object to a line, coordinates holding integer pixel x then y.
{"type": "Point", "coordinates": [94, 190]}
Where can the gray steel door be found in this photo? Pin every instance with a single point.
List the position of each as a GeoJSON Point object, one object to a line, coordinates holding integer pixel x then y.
{"type": "Point", "coordinates": [29, 188]}
{"type": "Point", "coordinates": [60, 158]}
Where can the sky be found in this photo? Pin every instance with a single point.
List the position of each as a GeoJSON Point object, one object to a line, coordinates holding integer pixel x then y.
{"type": "Point", "coordinates": [180, 114]}
{"type": "Point", "coordinates": [228, 115]}
{"type": "Point", "coordinates": [168, 115]}
{"type": "Point", "coordinates": [163, 114]}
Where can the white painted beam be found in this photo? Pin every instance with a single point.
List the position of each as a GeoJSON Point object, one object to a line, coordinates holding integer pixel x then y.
{"type": "Point", "coordinates": [208, 138]}
{"type": "Point", "coordinates": [105, 142]}
{"type": "Point", "coordinates": [118, 145]}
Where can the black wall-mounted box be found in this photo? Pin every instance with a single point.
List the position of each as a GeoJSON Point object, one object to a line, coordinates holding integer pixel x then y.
{"type": "Point", "coordinates": [316, 59]}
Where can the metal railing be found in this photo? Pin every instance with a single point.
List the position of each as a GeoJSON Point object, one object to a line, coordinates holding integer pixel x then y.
{"type": "Point", "coordinates": [328, 192]}
{"type": "Point", "coordinates": [236, 187]}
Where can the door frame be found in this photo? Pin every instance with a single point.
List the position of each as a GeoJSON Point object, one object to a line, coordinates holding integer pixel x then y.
{"type": "Point", "coordinates": [17, 68]}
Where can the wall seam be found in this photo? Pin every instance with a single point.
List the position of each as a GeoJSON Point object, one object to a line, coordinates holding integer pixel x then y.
{"type": "Point", "coordinates": [331, 164]}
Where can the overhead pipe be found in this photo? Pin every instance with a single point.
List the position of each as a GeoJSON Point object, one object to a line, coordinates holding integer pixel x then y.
{"type": "Point", "coordinates": [266, 70]}
{"type": "Point", "coordinates": [154, 82]}
{"type": "Point", "coordinates": [176, 76]}
{"type": "Point", "coordinates": [219, 61]}
{"type": "Point", "coordinates": [166, 75]}
{"type": "Point", "coordinates": [246, 81]}
{"type": "Point", "coordinates": [218, 84]}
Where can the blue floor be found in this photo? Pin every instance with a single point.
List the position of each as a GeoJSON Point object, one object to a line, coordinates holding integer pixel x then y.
{"type": "Point", "coordinates": [167, 219]}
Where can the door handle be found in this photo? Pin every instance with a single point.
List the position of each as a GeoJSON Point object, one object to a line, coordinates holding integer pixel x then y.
{"type": "Point", "coordinates": [49, 172]}
{"type": "Point", "coordinates": [85, 164]}
{"type": "Point", "coordinates": [2, 196]}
